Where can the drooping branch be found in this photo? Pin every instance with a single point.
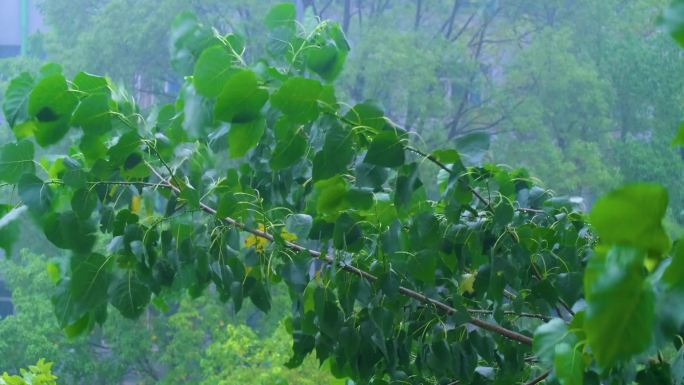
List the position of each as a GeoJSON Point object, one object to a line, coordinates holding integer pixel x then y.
{"type": "Point", "coordinates": [513, 335]}
{"type": "Point", "coordinates": [539, 379]}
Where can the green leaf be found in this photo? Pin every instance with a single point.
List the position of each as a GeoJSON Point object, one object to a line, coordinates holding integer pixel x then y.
{"type": "Point", "coordinates": [93, 115]}
{"type": "Point", "coordinates": [336, 154]}
{"type": "Point", "coordinates": [547, 337]}
{"type": "Point", "coordinates": [91, 84]}
{"type": "Point", "coordinates": [367, 114]}
{"type": "Point", "coordinates": [673, 20]}
{"type": "Point", "coordinates": [260, 296]}
{"type": "Point", "coordinates": [632, 215]}
{"type": "Point", "coordinates": [679, 138]}
{"type": "Point", "coordinates": [241, 99]}
{"type": "Point", "coordinates": [331, 196]}
{"type": "Point", "coordinates": [347, 234]}
{"type": "Point", "coordinates": [298, 99]}
{"type": "Point", "coordinates": [568, 364]}
{"type": "Point", "coordinates": [213, 69]}
{"type": "Point", "coordinates": [16, 159]}
{"type": "Point", "coordinates": [423, 266]}
{"type": "Point", "coordinates": [387, 149]}
{"type": "Point", "coordinates": [65, 230]}
{"type": "Point", "coordinates": [130, 295]}
{"type": "Point", "coordinates": [281, 15]}
{"type": "Point", "coordinates": [503, 213]}
{"type": "Point", "coordinates": [84, 202]}
{"type": "Point", "coordinates": [51, 103]}
{"type": "Point", "coordinates": [620, 306]}
{"type": "Point", "coordinates": [15, 104]}
{"type": "Point", "coordinates": [244, 136]}
{"type": "Point", "coordinates": [291, 144]}
{"type": "Point", "coordinates": [473, 147]}
{"type": "Point", "coordinates": [90, 278]}
{"type": "Point", "coordinates": [34, 193]}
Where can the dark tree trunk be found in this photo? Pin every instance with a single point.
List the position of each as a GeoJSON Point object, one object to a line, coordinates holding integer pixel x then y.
{"type": "Point", "coordinates": [346, 17]}
{"type": "Point", "coordinates": [449, 25]}
{"type": "Point", "coordinates": [419, 11]}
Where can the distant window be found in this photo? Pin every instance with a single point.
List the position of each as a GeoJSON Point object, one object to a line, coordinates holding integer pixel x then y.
{"type": "Point", "coordinates": [9, 50]}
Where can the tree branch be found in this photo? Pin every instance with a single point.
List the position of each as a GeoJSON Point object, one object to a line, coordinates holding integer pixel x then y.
{"type": "Point", "coordinates": [513, 335]}
{"type": "Point", "coordinates": [539, 379]}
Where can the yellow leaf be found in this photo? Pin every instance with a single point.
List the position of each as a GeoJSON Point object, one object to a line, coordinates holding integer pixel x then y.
{"type": "Point", "coordinates": [467, 282]}
{"type": "Point", "coordinates": [135, 204]}
{"type": "Point", "coordinates": [257, 242]}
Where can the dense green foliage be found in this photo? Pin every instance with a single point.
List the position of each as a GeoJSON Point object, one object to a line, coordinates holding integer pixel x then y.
{"type": "Point", "coordinates": [193, 340]}
{"type": "Point", "coordinates": [403, 265]}
{"type": "Point", "coordinates": [585, 94]}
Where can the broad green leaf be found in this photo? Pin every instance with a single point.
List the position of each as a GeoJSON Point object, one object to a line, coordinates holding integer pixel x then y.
{"type": "Point", "coordinates": [503, 213]}
{"type": "Point", "coordinates": [84, 202]}
{"type": "Point", "coordinates": [281, 15]}
{"type": "Point", "coordinates": [16, 159]}
{"type": "Point", "coordinates": [679, 138]}
{"type": "Point", "coordinates": [15, 104]}
{"type": "Point", "coordinates": [130, 295]}
{"type": "Point", "coordinates": [473, 147]}
{"type": "Point", "coordinates": [126, 145]}
{"type": "Point", "coordinates": [327, 55]}
{"type": "Point", "coordinates": [89, 84]}
{"type": "Point", "coordinates": [347, 234]}
{"type": "Point", "coordinates": [548, 336]}
{"type": "Point", "coordinates": [93, 115]}
{"type": "Point", "coordinates": [620, 306]}
{"type": "Point", "coordinates": [241, 99]}
{"type": "Point", "coordinates": [336, 154]}
{"type": "Point", "coordinates": [35, 194]}
{"type": "Point", "coordinates": [51, 103]}
{"type": "Point", "coordinates": [387, 149]}
{"type": "Point", "coordinates": [90, 278]}
{"type": "Point", "coordinates": [674, 273]}
{"type": "Point", "coordinates": [568, 364]}
{"type": "Point", "coordinates": [65, 230]}
{"type": "Point", "coordinates": [244, 136]}
{"type": "Point", "coordinates": [423, 266]}
{"type": "Point", "coordinates": [260, 297]}
{"type": "Point", "coordinates": [331, 196]}
{"type": "Point", "coordinates": [291, 144]}
{"type": "Point", "coordinates": [367, 114]}
{"type": "Point", "coordinates": [188, 39]}
{"type": "Point", "coordinates": [213, 69]}
{"type": "Point", "coordinates": [632, 215]}
{"type": "Point", "coordinates": [298, 99]}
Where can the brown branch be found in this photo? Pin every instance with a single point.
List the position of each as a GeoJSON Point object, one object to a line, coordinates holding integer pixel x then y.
{"type": "Point", "coordinates": [539, 379]}
{"type": "Point", "coordinates": [513, 335]}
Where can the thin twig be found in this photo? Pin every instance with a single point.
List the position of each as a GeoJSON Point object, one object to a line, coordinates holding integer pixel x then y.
{"type": "Point", "coordinates": [447, 169]}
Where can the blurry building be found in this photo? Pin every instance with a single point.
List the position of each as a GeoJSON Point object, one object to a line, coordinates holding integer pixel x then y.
{"type": "Point", "coordinates": [18, 20]}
